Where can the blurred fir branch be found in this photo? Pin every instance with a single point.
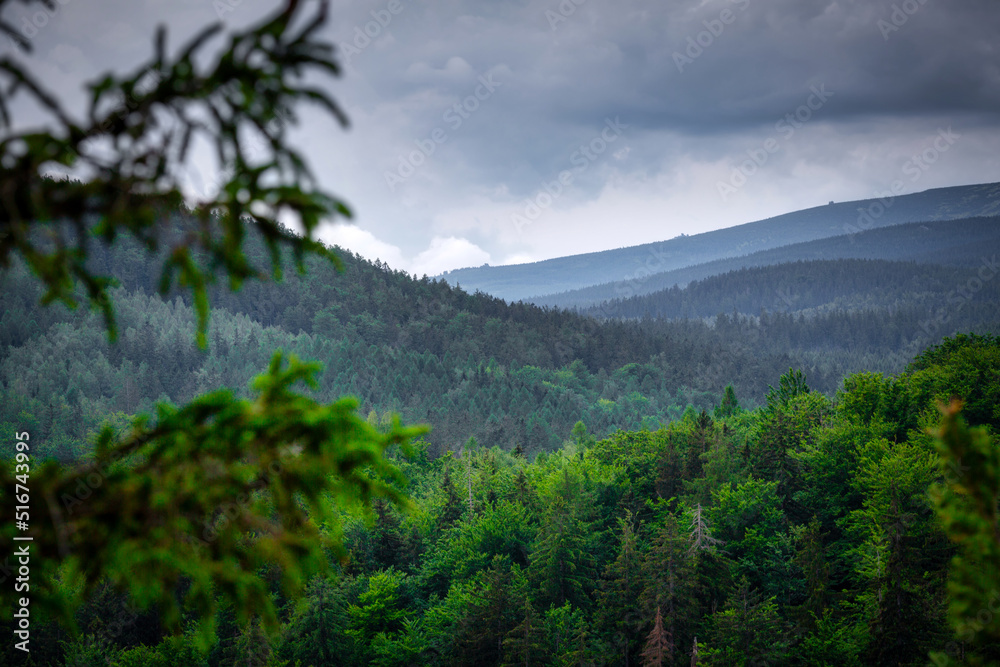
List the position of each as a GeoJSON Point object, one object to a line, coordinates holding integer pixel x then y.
{"type": "Point", "coordinates": [128, 161]}
{"type": "Point", "coordinates": [967, 505]}
{"type": "Point", "coordinates": [190, 510]}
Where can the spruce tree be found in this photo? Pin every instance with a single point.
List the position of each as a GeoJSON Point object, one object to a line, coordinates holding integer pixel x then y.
{"type": "Point", "coordinates": [659, 649]}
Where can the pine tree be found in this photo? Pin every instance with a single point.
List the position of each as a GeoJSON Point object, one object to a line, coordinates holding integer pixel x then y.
{"type": "Point", "coordinates": [452, 510]}
{"type": "Point", "coordinates": [492, 614]}
{"type": "Point", "coordinates": [561, 565]}
{"type": "Point", "coordinates": [729, 405]}
{"type": "Point", "coordinates": [525, 643]}
{"type": "Point", "coordinates": [621, 589]}
{"type": "Point", "coordinates": [668, 572]}
{"type": "Point", "coordinates": [659, 645]}
{"type": "Point", "coordinates": [748, 630]}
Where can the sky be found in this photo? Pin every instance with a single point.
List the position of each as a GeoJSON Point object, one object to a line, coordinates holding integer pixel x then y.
{"type": "Point", "coordinates": [498, 132]}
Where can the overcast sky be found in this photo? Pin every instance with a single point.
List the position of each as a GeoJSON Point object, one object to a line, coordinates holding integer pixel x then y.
{"type": "Point", "coordinates": [487, 131]}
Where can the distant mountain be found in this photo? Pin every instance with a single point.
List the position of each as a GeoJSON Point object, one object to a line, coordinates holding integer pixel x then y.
{"type": "Point", "coordinates": [813, 288]}
{"type": "Point", "coordinates": [946, 242]}
{"type": "Point", "coordinates": [523, 281]}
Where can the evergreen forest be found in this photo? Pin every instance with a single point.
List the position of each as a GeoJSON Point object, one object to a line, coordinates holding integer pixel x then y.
{"type": "Point", "coordinates": [639, 491]}
{"type": "Point", "coordinates": [223, 442]}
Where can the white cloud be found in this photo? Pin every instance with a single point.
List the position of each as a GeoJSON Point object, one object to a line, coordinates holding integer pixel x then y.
{"type": "Point", "coordinates": [446, 253]}
{"type": "Point", "coordinates": [519, 258]}
{"type": "Point", "coordinates": [364, 243]}
{"type": "Point", "coordinates": [443, 254]}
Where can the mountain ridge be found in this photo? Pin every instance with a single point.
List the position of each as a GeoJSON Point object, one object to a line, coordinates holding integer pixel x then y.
{"type": "Point", "coordinates": [942, 242]}
{"type": "Point", "coordinates": [562, 274]}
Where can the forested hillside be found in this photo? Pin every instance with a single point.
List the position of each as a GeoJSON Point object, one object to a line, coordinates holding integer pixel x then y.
{"type": "Point", "coordinates": [964, 243]}
{"type": "Point", "coordinates": [591, 492]}
{"type": "Point", "coordinates": [819, 287]}
{"type": "Point", "coordinates": [800, 533]}
{"type": "Point", "coordinates": [469, 365]}
{"type": "Point", "coordinates": [511, 375]}
{"type": "Point", "coordinates": [248, 448]}
{"type": "Point", "coordinates": [638, 263]}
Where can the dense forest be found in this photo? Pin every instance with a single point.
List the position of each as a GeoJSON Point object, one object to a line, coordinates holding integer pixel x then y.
{"type": "Point", "coordinates": [510, 375]}
{"type": "Point", "coordinates": [818, 287]}
{"type": "Point", "coordinates": [471, 365]}
{"type": "Point", "coordinates": [590, 492]}
{"type": "Point", "coordinates": [700, 478]}
{"type": "Point", "coordinates": [799, 533]}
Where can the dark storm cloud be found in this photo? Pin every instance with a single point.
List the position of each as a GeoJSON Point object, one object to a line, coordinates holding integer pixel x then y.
{"type": "Point", "coordinates": [605, 56]}
{"type": "Point", "coordinates": [687, 67]}
{"type": "Point", "coordinates": [694, 84]}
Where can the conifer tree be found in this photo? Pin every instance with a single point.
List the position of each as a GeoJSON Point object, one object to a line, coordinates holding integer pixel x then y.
{"type": "Point", "coordinates": [621, 588]}
{"type": "Point", "coordinates": [659, 649]}
{"type": "Point", "coordinates": [668, 572]}
{"type": "Point", "coordinates": [729, 405]}
{"type": "Point", "coordinates": [748, 630]}
{"type": "Point", "coordinates": [560, 562]}
{"type": "Point", "coordinates": [452, 510]}
{"type": "Point", "coordinates": [525, 643]}
{"type": "Point", "coordinates": [213, 491]}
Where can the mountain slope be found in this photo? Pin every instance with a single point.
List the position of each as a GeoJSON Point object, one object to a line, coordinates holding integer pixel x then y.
{"type": "Point", "coordinates": [811, 288]}
{"type": "Point", "coordinates": [562, 274]}
{"type": "Point", "coordinates": [952, 242]}
{"type": "Point", "coordinates": [470, 365]}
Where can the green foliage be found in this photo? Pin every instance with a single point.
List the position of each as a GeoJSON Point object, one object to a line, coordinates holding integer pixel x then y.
{"type": "Point", "coordinates": [747, 630]}
{"type": "Point", "coordinates": [966, 367]}
{"type": "Point", "coordinates": [729, 405]}
{"type": "Point", "coordinates": [835, 640]}
{"type": "Point", "coordinates": [790, 385]}
{"type": "Point", "coordinates": [316, 633]}
{"type": "Point", "coordinates": [207, 496]}
{"type": "Point", "coordinates": [243, 91]}
{"type": "Point", "coordinates": [967, 505]}
{"type": "Point", "coordinates": [567, 560]}
{"type": "Point", "coordinates": [378, 611]}
{"type": "Point", "coordinates": [620, 589]}
{"type": "Point", "coordinates": [749, 519]}
{"type": "Point", "coordinates": [561, 562]}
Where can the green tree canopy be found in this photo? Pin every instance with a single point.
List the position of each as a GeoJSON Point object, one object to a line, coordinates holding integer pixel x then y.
{"type": "Point", "coordinates": [198, 503]}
